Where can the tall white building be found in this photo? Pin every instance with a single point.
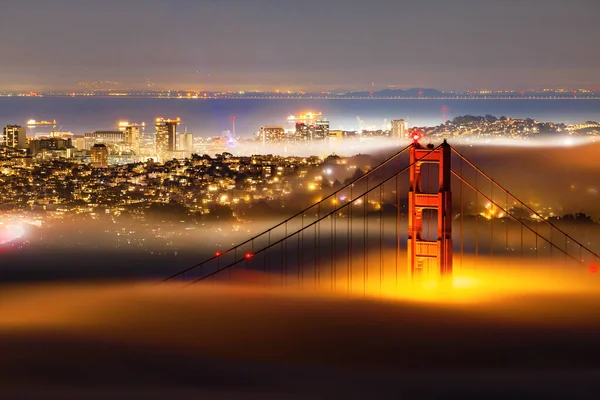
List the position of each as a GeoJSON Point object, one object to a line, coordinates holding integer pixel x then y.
{"type": "Point", "coordinates": [399, 128]}
{"type": "Point", "coordinates": [166, 135]}
{"type": "Point", "coordinates": [186, 143]}
{"type": "Point", "coordinates": [14, 136]}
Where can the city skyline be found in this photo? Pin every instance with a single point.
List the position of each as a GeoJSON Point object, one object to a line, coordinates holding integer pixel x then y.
{"type": "Point", "coordinates": [299, 199]}
{"type": "Point", "coordinates": [337, 44]}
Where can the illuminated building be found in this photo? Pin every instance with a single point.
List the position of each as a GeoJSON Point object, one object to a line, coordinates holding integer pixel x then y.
{"type": "Point", "coordinates": [131, 135]}
{"type": "Point", "coordinates": [399, 129]}
{"type": "Point", "coordinates": [186, 142]}
{"type": "Point", "coordinates": [99, 156]}
{"type": "Point", "coordinates": [318, 130]}
{"type": "Point", "coordinates": [321, 130]}
{"type": "Point", "coordinates": [336, 134]}
{"type": "Point", "coordinates": [56, 146]}
{"type": "Point", "coordinates": [310, 126]}
{"type": "Point", "coordinates": [166, 135]}
{"type": "Point", "coordinates": [79, 143]}
{"type": "Point", "coordinates": [113, 139]}
{"type": "Point", "coordinates": [272, 133]}
{"type": "Point", "coordinates": [14, 136]}
{"type": "Point", "coordinates": [57, 134]}
{"type": "Point", "coordinates": [301, 133]}
{"type": "Point", "coordinates": [307, 118]}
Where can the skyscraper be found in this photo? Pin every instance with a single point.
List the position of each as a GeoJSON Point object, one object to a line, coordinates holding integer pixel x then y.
{"type": "Point", "coordinates": [166, 135]}
{"type": "Point", "coordinates": [131, 135]}
{"type": "Point", "coordinates": [321, 130]}
{"type": "Point", "coordinates": [99, 156]}
{"type": "Point", "coordinates": [14, 136]}
{"type": "Point", "coordinates": [302, 132]}
{"type": "Point", "coordinates": [399, 129]}
{"type": "Point", "coordinates": [310, 126]}
{"type": "Point", "coordinates": [186, 143]}
{"type": "Point", "coordinates": [272, 134]}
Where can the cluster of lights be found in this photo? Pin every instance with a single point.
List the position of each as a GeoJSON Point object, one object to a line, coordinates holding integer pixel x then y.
{"type": "Point", "coordinates": [416, 136]}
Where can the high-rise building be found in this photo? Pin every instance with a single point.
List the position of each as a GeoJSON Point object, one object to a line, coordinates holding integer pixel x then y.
{"type": "Point", "coordinates": [315, 130]}
{"type": "Point", "coordinates": [14, 136]}
{"type": "Point", "coordinates": [99, 156]}
{"type": "Point", "coordinates": [166, 135]}
{"type": "Point", "coordinates": [302, 132]}
{"type": "Point", "coordinates": [399, 129]}
{"type": "Point", "coordinates": [310, 126]}
{"type": "Point", "coordinates": [321, 130]}
{"type": "Point", "coordinates": [186, 143]}
{"type": "Point", "coordinates": [272, 134]}
{"type": "Point", "coordinates": [131, 135]}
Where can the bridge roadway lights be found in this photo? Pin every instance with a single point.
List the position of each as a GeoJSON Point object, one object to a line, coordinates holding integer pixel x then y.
{"type": "Point", "coordinates": [430, 258]}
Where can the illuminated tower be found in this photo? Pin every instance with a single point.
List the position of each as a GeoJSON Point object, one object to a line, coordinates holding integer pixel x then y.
{"type": "Point", "coordinates": [430, 257]}
{"type": "Point", "coordinates": [14, 136]}
{"type": "Point", "coordinates": [166, 135]}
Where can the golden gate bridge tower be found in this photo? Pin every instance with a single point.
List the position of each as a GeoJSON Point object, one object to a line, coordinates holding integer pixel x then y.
{"type": "Point", "coordinates": [431, 257]}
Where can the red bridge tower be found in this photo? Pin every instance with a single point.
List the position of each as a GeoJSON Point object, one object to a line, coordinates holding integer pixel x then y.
{"type": "Point", "coordinates": [431, 257]}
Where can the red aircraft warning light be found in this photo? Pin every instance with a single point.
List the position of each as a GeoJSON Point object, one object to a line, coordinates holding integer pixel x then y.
{"type": "Point", "coordinates": [249, 255]}
{"type": "Point", "coordinates": [217, 253]}
{"type": "Point", "coordinates": [593, 268]}
{"type": "Point", "coordinates": [416, 136]}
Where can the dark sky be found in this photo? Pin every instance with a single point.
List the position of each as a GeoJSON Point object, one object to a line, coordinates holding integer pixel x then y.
{"type": "Point", "coordinates": [309, 44]}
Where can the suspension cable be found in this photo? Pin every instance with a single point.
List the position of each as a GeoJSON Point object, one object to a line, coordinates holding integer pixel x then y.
{"type": "Point", "coordinates": [513, 217]}
{"type": "Point", "coordinates": [522, 203]}
{"type": "Point", "coordinates": [381, 165]}
{"type": "Point", "coordinates": [302, 229]}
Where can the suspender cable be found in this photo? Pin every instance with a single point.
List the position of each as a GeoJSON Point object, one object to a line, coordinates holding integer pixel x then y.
{"type": "Point", "coordinates": [360, 196]}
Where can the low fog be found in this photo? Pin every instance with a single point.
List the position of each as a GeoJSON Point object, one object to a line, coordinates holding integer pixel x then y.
{"type": "Point", "coordinates": [329, 312]}
{"type": "Point", "coordinates": [212, 341]}
{"type": "Point", "coordinates": [555, 181]}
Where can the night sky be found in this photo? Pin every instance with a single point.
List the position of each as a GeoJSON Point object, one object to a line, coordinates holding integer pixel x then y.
{"type": "Point", "coordinates": [309, 44]}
